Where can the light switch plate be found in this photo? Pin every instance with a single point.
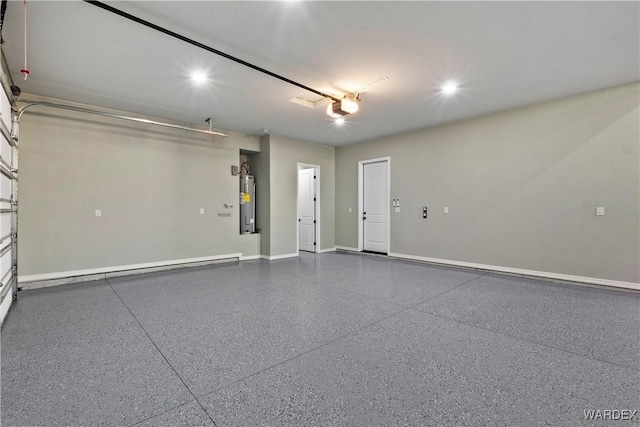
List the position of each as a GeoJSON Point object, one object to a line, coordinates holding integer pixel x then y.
{"type": "Point", "coordinates": [600, 211]}
{"type": "Point", "coordinates": [446, 209]}
{"type": "Point", "coordinates": [201, 211]}
{"type": "Point", "coordinates": [98, 212]}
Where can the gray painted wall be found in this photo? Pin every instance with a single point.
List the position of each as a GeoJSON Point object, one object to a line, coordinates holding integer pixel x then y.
{"type": "Point", "coordinates": [522, 187]}
{"type": "Point", "coordinates": [285, 155]}
{"type": "Point", "coordinates": [149, 182]}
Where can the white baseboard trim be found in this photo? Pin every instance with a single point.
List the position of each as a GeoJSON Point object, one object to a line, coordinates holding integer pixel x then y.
{"type": "Point", "coordinates": [523, 272]}
{"type": "Point", "coordinates": [347, 248]}
{"type": "Point", "coordinates": [322, 251]}
{"type": "Point", "coordinates": [272, 258]}
{"type": "Point", "coordinates": [250, 257]}
{"type": "Point", "coordinates": [65, 277]}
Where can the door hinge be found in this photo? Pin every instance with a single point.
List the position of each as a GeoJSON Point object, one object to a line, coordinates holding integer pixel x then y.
{"type": "Point", "coordinates": [314, 199]}
{"type": "Point", "coordinates": [314, 243]}
{"type": "Point", "coordinates": [314, 221]}
{"type": "Point", "coordinates": [314, 177]}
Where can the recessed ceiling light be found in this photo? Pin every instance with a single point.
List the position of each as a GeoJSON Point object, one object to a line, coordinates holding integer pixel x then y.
{"type": "Point", "coordinates": [449, 88]}
{"type": "Point", "coordinates": [340, 121]}
{"type": "Point", "coordinates": [199, 77]}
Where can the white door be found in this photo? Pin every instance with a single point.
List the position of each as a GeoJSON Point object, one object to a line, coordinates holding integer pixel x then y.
{"type": "Point", "coordinates": [375, 206]}
{"type": "Point", "coordinates": [306, 210]}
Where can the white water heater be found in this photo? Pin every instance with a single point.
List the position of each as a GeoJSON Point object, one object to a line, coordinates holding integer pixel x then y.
{"type": "Point", "coordinates": [247, 204]}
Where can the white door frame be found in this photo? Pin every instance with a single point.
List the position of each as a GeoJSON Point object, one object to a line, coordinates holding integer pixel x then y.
{"type": "Point", "coordinates": [316, 249]}
{"type": "Point", "coordinates": [361, 164]}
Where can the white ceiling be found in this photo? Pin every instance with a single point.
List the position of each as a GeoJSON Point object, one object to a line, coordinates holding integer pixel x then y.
{"type": "Point", "coordinates": [505, 55]}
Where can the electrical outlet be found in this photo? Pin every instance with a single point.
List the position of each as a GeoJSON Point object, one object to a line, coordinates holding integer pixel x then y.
{"type": "Point", "coordinates": [446, 210]}
{"type": "Point", "coordinates": [349, 210]}
{"type": "Point", "coordinates": [201, 211]}
{"type": "Point", "coordinates": [600, 211]}
{"type": "Point", "coordinates": [98, 212]}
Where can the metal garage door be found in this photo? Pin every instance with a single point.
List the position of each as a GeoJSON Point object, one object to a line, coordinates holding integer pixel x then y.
{"type": "Point", "coordinates": [8, 203]}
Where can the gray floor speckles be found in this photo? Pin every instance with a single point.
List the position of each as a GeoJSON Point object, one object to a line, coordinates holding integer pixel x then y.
{"type": "Point", "coordinates": [330, 339]}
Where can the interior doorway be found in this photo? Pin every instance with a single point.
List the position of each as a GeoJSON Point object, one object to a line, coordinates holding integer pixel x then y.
{"type": "Point", "coordinates": [374, 178]}
{"type": "Point", "coordinates": [308, 207]}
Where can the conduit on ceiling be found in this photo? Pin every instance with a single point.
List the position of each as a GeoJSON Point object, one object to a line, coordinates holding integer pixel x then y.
{"type": "Point", "coordinates": [205, 47]}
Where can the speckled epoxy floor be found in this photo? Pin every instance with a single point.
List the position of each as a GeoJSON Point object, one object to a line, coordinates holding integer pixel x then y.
{"type": "Point", "coordinates": [331, 339]}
